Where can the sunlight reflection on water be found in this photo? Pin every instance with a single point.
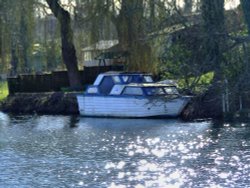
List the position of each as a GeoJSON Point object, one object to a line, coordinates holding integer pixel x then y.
{"type": "Point", "coordinates": [63, 151]}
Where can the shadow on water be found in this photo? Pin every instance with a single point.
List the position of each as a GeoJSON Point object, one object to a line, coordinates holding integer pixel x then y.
{"type": "Point", "coordinates": [117, 123]}
{"type": "Point", "coordinates": [73, 122]}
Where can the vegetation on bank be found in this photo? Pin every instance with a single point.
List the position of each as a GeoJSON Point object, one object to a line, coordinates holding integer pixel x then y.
{"type": "Point", "coordinates": [3, 90]}
{"type": "Point", "coordinates": [41, 103]}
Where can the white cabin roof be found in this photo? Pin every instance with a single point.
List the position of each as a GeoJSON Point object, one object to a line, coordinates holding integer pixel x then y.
{"type": "Point", "coordinates": [117, 73]}
{"type": "Point", "coordinates": [150, 85]}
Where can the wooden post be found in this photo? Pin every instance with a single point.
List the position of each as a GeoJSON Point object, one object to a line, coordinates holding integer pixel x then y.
{"type": "Point", "coordinates": [223, 104]}
{"type": "Point", "coordinates": [227, 96]}
{"type": "Point", "coordinates": [240, 101]}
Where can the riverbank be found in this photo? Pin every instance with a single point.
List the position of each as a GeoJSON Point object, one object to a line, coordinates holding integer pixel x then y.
{"type": "Point", "coordinates": [41, 103]}
{"type": "Point", "coordinates": [65, 103]}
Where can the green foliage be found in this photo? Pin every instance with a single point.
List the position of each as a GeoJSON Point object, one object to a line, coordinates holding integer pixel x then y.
{"type": "Point", "coordinates": [17, 26]}
{"type": "Point", "coordinates": [131, 22]}
{"type": "Point", "coordinates": [3, 90]}
{"type": "Point", "coordinates": [234, 66]}
{"type": "Point", "coordinates": [46, 57]}
{"type": "Point", "coordinates": [21, 27]}
{"type": "Point", "coordinates": [176, 62]}
{"type": "Point", "coordinates": [199, 84]}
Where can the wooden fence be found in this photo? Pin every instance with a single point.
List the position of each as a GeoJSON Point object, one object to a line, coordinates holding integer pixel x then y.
{"type": "Point", "coordinates": [55, 81]}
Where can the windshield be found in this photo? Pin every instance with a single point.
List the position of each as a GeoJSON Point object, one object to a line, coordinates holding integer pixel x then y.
{"type": "Point", "coordinates": [154, 91]}
{"type": "Point", "coordinates": [137, 79]}
{"type": "Point", "coordinates": [148, 79]}
{"type": "Point", "coordinates": [171, 90]}
{"type": "Point", "coordinates": [132, 91]}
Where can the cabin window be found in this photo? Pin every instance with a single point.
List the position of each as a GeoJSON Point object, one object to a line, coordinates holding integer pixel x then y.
{"type": "Point", "coordinates": [171, 90]}
{"type": "Point", "coordinates": [92, 90]}
{"type": "Point", "coordinates": [154, 91]}
{"type": "Point", "coordinates": [132, 91]}
{"type": "Point", "coordinates": [136, 79]}
{"type": "Point", "coordinates": [125, 78]}
{"type": "Point", "coordinates": [106, 85]}
{"type": "Point", "coordinates": [148, 79]}
{"type": "Point", "coordinates": [116, 79]}
{"type": "Point", "coordinates": [116, 90]}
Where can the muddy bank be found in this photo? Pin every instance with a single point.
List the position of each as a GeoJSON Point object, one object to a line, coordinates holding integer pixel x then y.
{"type": "Point", "coordinates": [202, 107]}
{"type": "Point", "coordinates": [41, 103]}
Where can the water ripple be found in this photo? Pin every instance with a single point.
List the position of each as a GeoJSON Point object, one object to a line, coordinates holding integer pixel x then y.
{"type": "Point", "coordinates": [63, 151]}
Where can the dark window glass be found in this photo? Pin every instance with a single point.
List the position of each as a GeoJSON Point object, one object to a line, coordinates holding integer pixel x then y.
{"type": "Point", "coordinates": [106, 85]}
{"type": "Point", "coordinates": [133, 91]}
{"type": "Point", "coordinates": [154, 91]}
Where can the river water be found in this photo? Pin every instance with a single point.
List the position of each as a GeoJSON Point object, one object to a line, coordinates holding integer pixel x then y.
{"type": "Point", "coordinates": [65, 151]}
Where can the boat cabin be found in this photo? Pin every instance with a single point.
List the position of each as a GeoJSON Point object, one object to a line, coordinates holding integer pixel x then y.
{"type": "Point", "coordinates": [106, 81]}
{"type": "Point", "coordinates": [136, 90]}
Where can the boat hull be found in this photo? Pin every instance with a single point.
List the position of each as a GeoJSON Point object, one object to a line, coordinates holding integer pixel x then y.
{"type": "Point", "coordinates": [130, 107]}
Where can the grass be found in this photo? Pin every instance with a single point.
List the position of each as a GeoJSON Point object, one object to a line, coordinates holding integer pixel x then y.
{"type": "Point", "coordinates": [3, 90]}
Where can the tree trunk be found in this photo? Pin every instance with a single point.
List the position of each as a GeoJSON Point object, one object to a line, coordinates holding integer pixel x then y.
{"type": "Point", "coordinates": [131, 34]}
{"type": "Point", "coordinates": [24, 40]}
{"type": "Point", "coordinates": [13, 61]}
{"type": "Point", "coordinates": [68, 48]}
{"type": "Point", "coordinates": [214, 32]}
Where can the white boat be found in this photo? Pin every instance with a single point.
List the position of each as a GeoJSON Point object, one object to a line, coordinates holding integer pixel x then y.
{"type": "Point", "coordinates": [133, 95]}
